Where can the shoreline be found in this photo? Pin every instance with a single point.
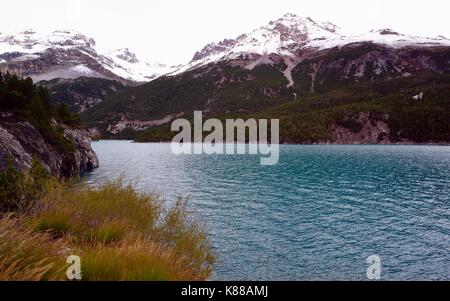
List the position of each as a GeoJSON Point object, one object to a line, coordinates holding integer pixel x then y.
{"type": "Point", "coordinates": [311, 144]}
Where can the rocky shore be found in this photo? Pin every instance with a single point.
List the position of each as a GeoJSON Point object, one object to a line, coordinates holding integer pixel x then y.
{"type": "Point", "coordinates": [21, 142]}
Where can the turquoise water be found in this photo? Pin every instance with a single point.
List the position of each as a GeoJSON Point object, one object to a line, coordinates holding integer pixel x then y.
{"type": "Point", "coordinates": [318, 214]}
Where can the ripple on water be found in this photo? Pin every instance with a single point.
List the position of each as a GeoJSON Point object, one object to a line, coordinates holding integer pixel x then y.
{"type": "Point", "coordinates": [318, 214]}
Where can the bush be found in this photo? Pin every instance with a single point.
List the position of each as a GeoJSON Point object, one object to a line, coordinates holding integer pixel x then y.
{"type": "Point", "coordinates": [18, 190]}
{"type": "Point", "coordinates": [12, 183]}
{"type": "Point", "coordinates": [64, 115]}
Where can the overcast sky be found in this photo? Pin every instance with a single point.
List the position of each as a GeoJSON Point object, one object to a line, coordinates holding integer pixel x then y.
{"type": "Point", "coordinates": [170, 31]}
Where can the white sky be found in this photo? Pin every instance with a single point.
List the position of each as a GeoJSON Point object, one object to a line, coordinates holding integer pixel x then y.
{"type": "Point", "coordinates": [170, 31]}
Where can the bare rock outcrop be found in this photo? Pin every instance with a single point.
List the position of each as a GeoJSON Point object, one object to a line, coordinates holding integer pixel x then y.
{"type": "Point", "coordinates": [21, 142]}
{"type": "Point", "coordinates": [361, 128]}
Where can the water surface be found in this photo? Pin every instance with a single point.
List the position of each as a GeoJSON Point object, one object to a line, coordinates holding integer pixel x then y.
{"type": "Point", "coordinates": [317, 214]}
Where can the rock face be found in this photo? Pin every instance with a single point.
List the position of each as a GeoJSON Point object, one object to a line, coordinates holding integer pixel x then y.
{"type": "Point", "coordinates": [85, 158]}
{"type": "Point", "coordinates": [361, 128]}
{"type": "Point", "coordinates": [81, 93]}
{"type": "Point", "coordinates": [331, 68]}
{"type": "Point", "coordinates": [21, 142]}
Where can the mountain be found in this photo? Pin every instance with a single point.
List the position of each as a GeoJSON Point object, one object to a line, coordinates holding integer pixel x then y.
{"type": "Point", "coordinates": [81, 93]}
{"type": "Point", "coordinates": [291, 39]}
{"type": "Point", "coordinates": [336, 83]}
{"type": "Point", "coordinates": [72, 68]}
{"type": "Point", "coordinates": [288, 62]}
{"type": "Point", "coordinates": [69, 54]}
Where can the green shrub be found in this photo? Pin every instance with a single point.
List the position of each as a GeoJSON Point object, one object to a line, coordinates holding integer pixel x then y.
{"type": "Point", "coordinates": [12, 184]}
{"type": "Point", "coordinates": [19, 189]}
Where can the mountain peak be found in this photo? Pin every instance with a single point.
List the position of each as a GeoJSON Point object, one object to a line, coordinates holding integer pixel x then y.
{"type": "Point", "coordinates": [290, 15]}
{"type": "Point", "coordinates": [289, 19]}
{"type": "Point", "coordinates": [28, 31]}
{"type": "Point", "coordinates": [283, 36]}
{"type": "Point", "coordinates": [385, 31]}
{"type": "Point", "coordinates": [70, 37]}
{"type": "Point", "coordinates": [291, 34]}
{"type": "Point", "coordinates": [296, 21]}
{"type": "Point", "coordinates": [126, 55]}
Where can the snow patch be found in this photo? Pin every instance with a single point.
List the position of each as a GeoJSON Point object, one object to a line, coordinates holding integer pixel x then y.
{"type": "Point", "coordinates": [67, 72]}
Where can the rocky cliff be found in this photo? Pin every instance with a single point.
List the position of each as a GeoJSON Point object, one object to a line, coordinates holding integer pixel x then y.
{"type": "Point", "coordinates": [22, 143]}
{"type": "Point", "coordinates": [361, 128]}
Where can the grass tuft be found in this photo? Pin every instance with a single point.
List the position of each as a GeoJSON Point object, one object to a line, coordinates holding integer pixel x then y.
{"type": "Point", "coordinates": [123, 234]}
{"type": "Point", "coordinates": [27, 255]}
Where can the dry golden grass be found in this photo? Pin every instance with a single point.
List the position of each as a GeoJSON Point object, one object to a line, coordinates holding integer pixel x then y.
{"type": "Point", "coordinates": [139, 260]}
{"type": "Point", "coordinates": [27, 255]}
{"type": "Point", "coordinates": [122, 234]}
{"type": "Point", "coordinates": [89, 215]}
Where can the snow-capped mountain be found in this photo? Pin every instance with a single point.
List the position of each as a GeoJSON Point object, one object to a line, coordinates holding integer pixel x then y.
{"type": "Point", "coordinates": [127, 63]}
{"type": "Point", "coordinates": [292, 38]}
{"type": "Point", "coordinates": [70, 54]}
{"type": "Point", "coordinates": [280, 62]}
{"type": "Point", "coordinates": [283, 36]}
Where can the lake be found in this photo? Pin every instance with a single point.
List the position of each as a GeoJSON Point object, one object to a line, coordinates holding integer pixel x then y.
{"type": "Point", "coordinates": [316, 215]}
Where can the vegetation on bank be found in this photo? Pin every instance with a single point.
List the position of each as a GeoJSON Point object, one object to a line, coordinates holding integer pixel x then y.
{"type": "Point", "coordinates": [190, 91]}
{"type": "Point", "coordinates": [29, 255]}
{"type": "Point", "coordinates": [32, 103]}
{"type": "Point", "coordinates": [307, 119]}
{"type": "Point", "coordinates": [119, 233]}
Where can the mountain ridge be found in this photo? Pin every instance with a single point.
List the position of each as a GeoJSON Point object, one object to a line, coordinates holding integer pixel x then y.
{"type": "Point", "coordinates": [288, 62]}
{"type": "Point", "coordinates": [292, 36]}
{"type": "Point", "coordinates": [286, 36]}
{"type": "Point", "coordinates": [70, 54]}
